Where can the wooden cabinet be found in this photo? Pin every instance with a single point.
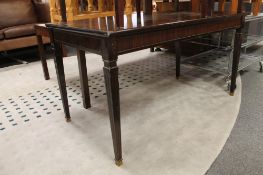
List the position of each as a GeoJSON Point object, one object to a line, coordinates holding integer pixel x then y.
{"type": "Point", "coordinates": [106, 7]}
{"type": "Point", "coordinates": [256, 6]}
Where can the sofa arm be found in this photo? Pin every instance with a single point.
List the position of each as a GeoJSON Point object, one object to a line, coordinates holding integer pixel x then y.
{"type": "Point", "coordinates": [42, 12]}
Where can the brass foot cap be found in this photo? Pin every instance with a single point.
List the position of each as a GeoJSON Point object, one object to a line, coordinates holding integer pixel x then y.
{"type": "Point", "coordinates": [68, 119]}
{"type": "Point", "coordinates": [231, 93]}
{"type": "Point", "coordinates": [118, 163]}
{"type": "Point", "coordinates": [87, 106]}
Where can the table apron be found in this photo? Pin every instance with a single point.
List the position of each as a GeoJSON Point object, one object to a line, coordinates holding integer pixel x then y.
{"type": "Point", "coordinates": [126, 44]}
{"type": "Point", "coordinates": [42, 31]}
{"type": "Point", "coordinates": [129, 42]}
{"type": "Point", "coordinates": [78, 40]}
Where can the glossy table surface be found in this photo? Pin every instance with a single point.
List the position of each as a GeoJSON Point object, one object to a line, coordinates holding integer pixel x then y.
{"type": "Point", "coordinates": [106, 25]}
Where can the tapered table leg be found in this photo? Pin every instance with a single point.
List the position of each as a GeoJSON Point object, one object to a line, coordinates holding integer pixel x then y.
{"type": "Point", "coordinates": [42, 56]}
{"type": "Point", "coordinates": [178, 58]}
{"type": "Point", "coordinates": [112, 88]}
{"type": "Point", "coordinates": [235, 62]}
{"type": "Point", "coordinates": [61, 79]}
{"type": "Point", "coordinates": [83, 78]}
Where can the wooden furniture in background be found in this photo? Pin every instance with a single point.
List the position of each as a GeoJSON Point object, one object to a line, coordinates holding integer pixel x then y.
{"type": "Point", "coordinates": [234, 5]}
{"type": "Point", "coordinates": [198, 5]}
{"type": "Point", "coordinates": [221, 5]}
{"type": "Point", "coordinates": [166, 6]}
{"type": "Point", "coordinates": [17, 28]}
{"type": "Point", "coordinates": [195, 4]}
{"type": "Point", "coordinates": [129, 6]}
{"type": "Point", "coordinates": [42, 31]}
{"type": "Point", "coordinates": [203, 6]}
{"type": "Point", "coordinates": [74, 10]}
{"type": "Point", "coordinates": [148, 8]}
{"type": "Point", "coordinates": [256, 6]}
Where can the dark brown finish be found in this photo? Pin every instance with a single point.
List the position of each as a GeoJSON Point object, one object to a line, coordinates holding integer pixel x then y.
{"type": "Point", "coordinates": [178, 58]}
{"type": "Point", "coordinates": [42, 31]}
{"type": "Point", "coordinates": [63, 11]}
{"type": "Point", "coordinates": [138, 8]}
{"type": "Point", "coordinates": [2, 36]}
{"type": "Point", "coordinates": [236, 51]}
{"type": "Point", "coordinates": [111, 41]}
{"type": "Point", "coordinates": [148, 7]}
{"type": "Point", "coordinates": [83, 78]}
{"type": "Point", "coordinates": [185, 6]}
{"type": "Point", "coordinates": [240, 6]}
{"type": "Point", "coordinates": [236, 55]}
{"type": "Point", "coordinates": [195, 5]}
{"type": "Point", "coordinates": [110, 56]}
{"type": "Point", "coordinates": [168, 6]}
{"type": "Point", "coordinates": [61, 78]}
{"type": "Point", "coordinates": [177, 5]}
{"type": "Point", "coordinates": [42, 58]}
{"type": "Point", "coordinates": [207, 7]}
{"type": "Point", "coordinates": [42, 10]}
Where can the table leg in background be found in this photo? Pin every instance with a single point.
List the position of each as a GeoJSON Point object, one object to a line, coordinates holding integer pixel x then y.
{"type": "Point", "coordinates": [178, 58]}
{"type": "Point", "coordinates": [42, 56]}
{"type": "Point", "coordinates": [61, 79]}
{"type": "Point", "coordinates": [236, 56]}
{"type": "Point", "coordinates": [83, 78]}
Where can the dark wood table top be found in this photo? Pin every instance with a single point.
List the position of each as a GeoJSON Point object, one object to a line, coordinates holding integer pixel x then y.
{"type": "Point", "coordinates": [105, 26]}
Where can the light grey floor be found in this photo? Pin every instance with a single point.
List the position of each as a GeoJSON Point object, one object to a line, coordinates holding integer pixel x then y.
{"type": "Point", "coordinates": [243, 152]}
{"type": "Point", "coordinates": [187, 121]}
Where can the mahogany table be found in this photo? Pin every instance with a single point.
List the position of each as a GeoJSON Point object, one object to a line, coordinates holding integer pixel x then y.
{"type": "Point", "coordinates": [101, 36]}
{"type": "Point", "coordinates": [42, 31]}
